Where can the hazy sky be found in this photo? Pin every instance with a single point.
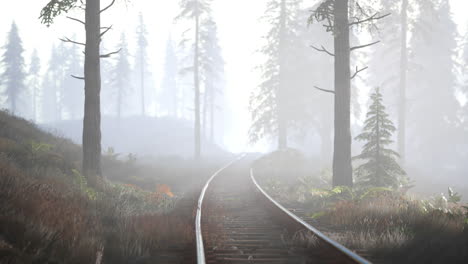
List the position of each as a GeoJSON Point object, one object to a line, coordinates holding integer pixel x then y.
{"type": "Point", "coordinates": [239, 29]}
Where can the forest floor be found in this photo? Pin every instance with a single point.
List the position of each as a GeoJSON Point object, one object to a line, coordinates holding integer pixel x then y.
{"type": "Point", "coordinates": [382, 225]}
{"type": "Point", "coordinates": [48, 213]}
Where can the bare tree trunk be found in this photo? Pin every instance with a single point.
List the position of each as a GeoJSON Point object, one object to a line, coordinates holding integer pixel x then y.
{"type": "Point", "coordinates": [342, 168]}
{"type": "Point", "coordinates": [119, 103]}
{"type": "Point", "coordinates": [34, 103]}
{"type": "Point", "coordinates": [197, 87]}
{"type": "Point", "coordinates": [282, 122]}
{"type": "Point", "coordinates": [212, 115]}
{"type": "Point", "coordinates": [403, 78]}
{"type": "Point", "coordinates": [205, 113]}
{"type": "Point", "coordinates": [142, 76]}
{"type": "Point", "coordinates": [92, 109]}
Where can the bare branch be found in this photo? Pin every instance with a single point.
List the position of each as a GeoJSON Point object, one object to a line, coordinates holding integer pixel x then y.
{"type": "Point", "coordinates": [107, 55]}
{"type": "Point", "coordinates": [105, 31]}
{"type": "Point", "coordinates": [107, 7]}
{"type": "Point", "coordinates": [78, 77]}
{"type": "Point", "coordinates": [77, 20]}
{"type": "Point", "coordinates": [323, 49]}
{"type": "Point", "coordinates": [364, 46]}
{"type": "Point", "coordinates": [369, 19]}
{"type": "Point", "coordinates": [358, 71]}
{"type": "Point", "coordinates": [72, 41]}
{"type": "Point", "coordinates": [324, 90]}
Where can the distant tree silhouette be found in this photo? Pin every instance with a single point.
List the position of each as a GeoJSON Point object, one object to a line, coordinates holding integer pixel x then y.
{"type": "Point", "coordinates": [195, 11]}
{"type": "Point", "coordinates": [270, 102]}
{"type": "Point", "coordinates": [142, 44]}
{"type": "Point", "coordinates": [169, 96]}
{"type": "Point", "coordinates": [431, 84]}
{"type": "Point", "coordinates": [121, 76]}
{"type": "Point", "coordinates": [212, 75]}
{"type": "Point", "coordinates": [14, 75]}
{"type": "Point", "coordinates": [34, 82]}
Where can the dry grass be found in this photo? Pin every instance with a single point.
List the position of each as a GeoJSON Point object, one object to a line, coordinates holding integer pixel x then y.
{"type": "Point", "coordinates": [48, 214]}
{"type": "Point", "coordinates": [394, 227]}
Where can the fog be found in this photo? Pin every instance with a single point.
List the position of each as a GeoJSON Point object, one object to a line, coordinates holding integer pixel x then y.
{"type": "Point", "coordinates": [147, 88]}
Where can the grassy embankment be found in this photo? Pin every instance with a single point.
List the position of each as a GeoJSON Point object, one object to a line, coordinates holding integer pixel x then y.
{"type": "Point", "coordinates": [390, 226]}
{"type": "Point", "coordinates": [48, 213]}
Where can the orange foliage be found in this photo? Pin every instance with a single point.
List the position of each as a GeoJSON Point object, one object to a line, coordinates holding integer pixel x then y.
{"type": "Point", "coordinates": [164, 189]}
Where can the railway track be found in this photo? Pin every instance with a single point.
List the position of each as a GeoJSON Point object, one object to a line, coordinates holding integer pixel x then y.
{"type": "Point", "coordinates": [237, 222]}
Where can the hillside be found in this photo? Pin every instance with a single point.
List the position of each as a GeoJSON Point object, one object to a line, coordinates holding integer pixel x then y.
{"type": "Point", "coordinates": [48, 213]}
{"type": "Point", "coordinates": [144, 136]}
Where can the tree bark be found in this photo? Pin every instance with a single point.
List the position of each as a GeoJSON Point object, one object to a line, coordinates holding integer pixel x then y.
{"type": "Point", "coordinates": [197, 87]}
{"type": "Point", "coordinates": [342, 168]}
{"type": "Point", "coordinates": [403, 81]}
{"type": "Point", "coordinates": [92, 110]}
{"type": "Point", "coordinates": [282, 119]}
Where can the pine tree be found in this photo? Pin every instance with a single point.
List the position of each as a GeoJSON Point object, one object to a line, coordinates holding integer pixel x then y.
{"type": "Point", "coordinates": [121, 76]}
{"type": "Point", "coordinates": [339, 17]}
{"type": "Point", "coordinates": [34, 82]}
{"type": "Point", "coordinates": [195, 11]}
{"type": "Point", "coordinates": [381, 168]}
{"type": "Point", "coordinates": [14, 74]}
{"type": "Point", "coordinates": [169, 96]}
{"type": "Point", "coordinates": [142, 44]}
{"type": "Point", "coordinates": [92, 77]}
{"type": "Point", "coordinates": [270, 102]}
{"type": "Point", "coordinates": [212, 74]}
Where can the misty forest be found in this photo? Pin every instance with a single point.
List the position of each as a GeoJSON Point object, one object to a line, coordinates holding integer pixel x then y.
{"type": "Point", "coordinates": [215, 131]}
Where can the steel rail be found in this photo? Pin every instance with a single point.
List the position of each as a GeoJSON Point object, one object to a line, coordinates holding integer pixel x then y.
{"type": "Point", "coordinates": [345, 251]}
{"type": "Point", "coordinates": [198, 231]}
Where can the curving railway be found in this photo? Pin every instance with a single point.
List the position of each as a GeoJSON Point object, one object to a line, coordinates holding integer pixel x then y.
{"type": "Point", "coordinates": [238, 222]}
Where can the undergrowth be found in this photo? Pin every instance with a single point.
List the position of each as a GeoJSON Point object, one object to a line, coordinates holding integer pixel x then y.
{"type": "Point", "coordinates": [388, 224]}
{"type": "Point", "coordinates": [49, 214]}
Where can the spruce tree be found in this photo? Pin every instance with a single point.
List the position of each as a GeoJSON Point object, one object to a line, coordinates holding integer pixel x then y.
{"type": "Point", "coordinates": [14, 75]}
{"type": "Point", "coordinates": [380, 168]}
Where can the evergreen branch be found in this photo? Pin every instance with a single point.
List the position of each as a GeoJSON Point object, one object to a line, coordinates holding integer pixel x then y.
{"type": "Point", "coordinates": [107, 7]}
{"type": "Point", "coordinates": [324, 90]}
{"type": "Point", "coordinates": [107, 55]}
{"type": "Point", "coordinates": [72, 41]}
{"type": "Point", "coordinates": [323, 49]}
{"type": "Point", "coordinates": [358, 71]}
{"type": "Point", "coordinates": [364, 46]}
{"type": "Point", "coordinates": [77, 20]}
